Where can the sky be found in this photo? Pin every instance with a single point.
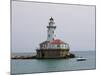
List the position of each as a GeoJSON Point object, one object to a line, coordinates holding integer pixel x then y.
{"type": "Point", "coordinates": [75, 25]}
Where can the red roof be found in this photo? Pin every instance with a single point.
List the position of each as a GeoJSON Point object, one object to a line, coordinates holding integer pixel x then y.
{"type": "Point", "coordinates": [57, 41]}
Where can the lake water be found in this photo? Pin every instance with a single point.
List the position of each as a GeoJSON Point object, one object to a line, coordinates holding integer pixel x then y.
{"type": "Point", "coordinates": [48, 65]}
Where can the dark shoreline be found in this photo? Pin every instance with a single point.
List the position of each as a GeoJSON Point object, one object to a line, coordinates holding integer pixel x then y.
{"type": "Point", "coordinates": [34, 57]}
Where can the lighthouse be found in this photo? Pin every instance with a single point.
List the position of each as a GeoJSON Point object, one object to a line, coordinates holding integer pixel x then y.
{"type": "Point", "coordinates": [50, 31]}
{"type": "Point", "coordinates": [52, 48]}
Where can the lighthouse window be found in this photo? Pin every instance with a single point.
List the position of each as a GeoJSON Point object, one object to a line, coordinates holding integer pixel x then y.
{"type": "Point", "coordinates": [48, 35]}
{"type": "Point", "coordinates": [53, 32]}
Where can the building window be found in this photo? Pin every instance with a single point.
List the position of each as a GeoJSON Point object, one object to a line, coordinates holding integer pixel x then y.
{"type": "Point", "coordinates": [58, 46]}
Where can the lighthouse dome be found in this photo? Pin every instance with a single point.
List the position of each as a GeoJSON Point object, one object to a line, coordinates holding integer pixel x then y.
{"type": "Point", "coordinates": [57, 41]}
{"type": "Point", "coordinates": [58, 44]}
{"type": "Point", "coordinates": [51, 18]}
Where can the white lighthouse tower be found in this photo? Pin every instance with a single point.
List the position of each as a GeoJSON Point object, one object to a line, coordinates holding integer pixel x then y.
{"type": "Point", "coordinates": [50, 31]}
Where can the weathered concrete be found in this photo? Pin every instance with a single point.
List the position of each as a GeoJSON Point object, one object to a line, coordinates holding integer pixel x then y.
{"type": "Point", "coordinates": [52, 53]}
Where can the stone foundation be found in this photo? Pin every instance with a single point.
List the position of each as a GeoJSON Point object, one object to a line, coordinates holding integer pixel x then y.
{"type": "Point", "coordinates": [52, 53]}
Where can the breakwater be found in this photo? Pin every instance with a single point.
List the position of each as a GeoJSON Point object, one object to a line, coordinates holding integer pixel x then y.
{"type": "Point", "coordinates": [35, 57]}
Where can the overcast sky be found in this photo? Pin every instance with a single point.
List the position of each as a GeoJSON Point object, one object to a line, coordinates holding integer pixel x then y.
{"type": "Point", "coordinates": [75, 25]}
